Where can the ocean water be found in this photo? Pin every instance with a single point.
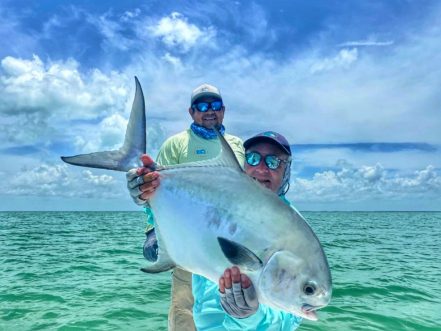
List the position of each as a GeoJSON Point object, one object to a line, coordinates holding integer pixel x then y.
{"type": "Point", "coordinates": [80, 271]}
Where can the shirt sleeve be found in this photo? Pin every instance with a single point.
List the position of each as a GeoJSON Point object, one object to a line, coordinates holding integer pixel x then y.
{"type": "Point", "coordinates": [209, 315]}
{"type": "Point", "coordinates": [238, 149]}
{"type": "Point", "coordinates": [265, 318]}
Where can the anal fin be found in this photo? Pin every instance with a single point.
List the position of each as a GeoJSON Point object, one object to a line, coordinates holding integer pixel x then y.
{"type": "Point", "coordinates": [158, 267]}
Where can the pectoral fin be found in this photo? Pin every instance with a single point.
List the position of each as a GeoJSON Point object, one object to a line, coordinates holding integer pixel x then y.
{"type": "Point", "coordinates": [239, 255]}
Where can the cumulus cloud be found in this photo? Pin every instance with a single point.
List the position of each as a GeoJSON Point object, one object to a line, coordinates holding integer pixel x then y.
{"type": "Point", "coordinates": [315, 95]}
{"type": "Point", "coordinates": [57, 88]}
{"type": "Point", "coordinates": [36, 98]}
{"type": "Point", "coordinates": [177, 33]}
{"type": "Point", "coordinates": [57, 180]}
{"type": "Point", "coordinates": [351, 184]}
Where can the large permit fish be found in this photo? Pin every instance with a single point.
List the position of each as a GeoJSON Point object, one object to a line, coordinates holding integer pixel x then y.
{"type": "Point", "coordinates": [210, 215]}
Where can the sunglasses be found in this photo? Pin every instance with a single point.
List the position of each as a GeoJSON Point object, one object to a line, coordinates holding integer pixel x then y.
{"type": "Point", "coordinates": [205, 106]}
{"type": "Point", "coordinates": [271, 161]}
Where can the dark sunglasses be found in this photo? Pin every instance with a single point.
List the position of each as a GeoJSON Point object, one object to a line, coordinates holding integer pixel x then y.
{"type": "Point", "coordinates": [205, 106]}
{"type": "Point", "coordinates": [271, 161]}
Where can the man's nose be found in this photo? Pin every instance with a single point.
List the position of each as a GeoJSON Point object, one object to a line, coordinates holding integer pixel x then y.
{"type": "Point", "coordinates": [261, 167]}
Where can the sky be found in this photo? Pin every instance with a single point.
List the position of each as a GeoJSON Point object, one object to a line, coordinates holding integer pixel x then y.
{"type": "Point", "coordinates": [355, 86]}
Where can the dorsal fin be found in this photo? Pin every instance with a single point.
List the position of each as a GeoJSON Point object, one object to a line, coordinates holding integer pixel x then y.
{"type": "Point", "coordinates": [127, 156]}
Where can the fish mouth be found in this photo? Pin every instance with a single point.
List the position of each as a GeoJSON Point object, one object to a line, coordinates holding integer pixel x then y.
{"type": "Point", "coordinates": [309, 312]}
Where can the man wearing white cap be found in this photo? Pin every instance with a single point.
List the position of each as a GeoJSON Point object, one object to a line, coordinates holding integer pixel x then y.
{"type": "Point", "coordinates": [199, 142]}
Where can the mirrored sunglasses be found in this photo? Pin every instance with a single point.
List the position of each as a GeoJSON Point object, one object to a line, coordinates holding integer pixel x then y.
{"type": "Point", "coordinates": [271, 161]}
{"type": "Point", "coordinates": [205, 106]}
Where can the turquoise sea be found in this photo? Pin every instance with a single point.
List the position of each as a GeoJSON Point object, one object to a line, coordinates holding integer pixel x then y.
{"type": "Point", "coordinates": [80, 271]}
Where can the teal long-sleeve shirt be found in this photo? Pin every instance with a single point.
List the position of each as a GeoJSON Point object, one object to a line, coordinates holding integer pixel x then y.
{"type": "Point", "coordinates": [209, 315]}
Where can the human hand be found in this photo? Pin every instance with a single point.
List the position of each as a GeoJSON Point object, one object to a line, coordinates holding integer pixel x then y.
{"type": "Point", "coordinates": [238, 296]}
{"type": "Point", "coordinates": [142, 182]}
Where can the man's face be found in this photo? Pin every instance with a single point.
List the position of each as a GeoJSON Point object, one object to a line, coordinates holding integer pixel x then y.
{"type": "Point", "coordinates": [272, 179]}
{"type": "Point", "coordinates": [210, 118]}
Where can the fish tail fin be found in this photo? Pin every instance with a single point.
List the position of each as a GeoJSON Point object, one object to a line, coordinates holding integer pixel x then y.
{"type": "Point", "coordinates": [127, 156]}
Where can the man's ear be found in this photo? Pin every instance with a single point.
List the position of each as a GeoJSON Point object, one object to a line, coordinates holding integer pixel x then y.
{"type": "Point", "coordinates": [191, 111]}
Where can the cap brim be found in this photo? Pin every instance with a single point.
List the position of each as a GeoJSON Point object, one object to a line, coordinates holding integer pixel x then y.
{"type": "Point", "coordinates": [255, 140]}
{"type": "Point", "coordinates": [205, 94]}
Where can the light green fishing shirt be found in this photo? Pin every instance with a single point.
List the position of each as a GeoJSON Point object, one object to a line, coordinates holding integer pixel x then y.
{"type": "Point", "coordinates": [187, 147]}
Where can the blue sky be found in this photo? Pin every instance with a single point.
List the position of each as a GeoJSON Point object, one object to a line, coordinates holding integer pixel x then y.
{"type": "Point", "coordinates": [354, 86]}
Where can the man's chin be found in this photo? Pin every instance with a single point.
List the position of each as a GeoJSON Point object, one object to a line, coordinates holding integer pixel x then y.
{"type": "Point", "coordinates": [210, 125]}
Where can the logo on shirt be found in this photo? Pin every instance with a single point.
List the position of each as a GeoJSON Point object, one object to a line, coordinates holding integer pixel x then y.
{"type": "Point", "coordinates": [201, 151]}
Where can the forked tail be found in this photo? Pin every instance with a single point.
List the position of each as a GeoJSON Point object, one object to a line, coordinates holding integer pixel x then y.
{"type": "Point", "coordinates": [127, 156]}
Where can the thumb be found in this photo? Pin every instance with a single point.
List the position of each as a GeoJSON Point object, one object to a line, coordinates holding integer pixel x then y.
{"type": "Point", "coordinates": [146, 160]}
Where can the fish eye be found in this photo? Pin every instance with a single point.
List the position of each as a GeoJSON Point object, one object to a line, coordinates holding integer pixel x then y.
{"type": "Point", "coordinates": [309, 288]}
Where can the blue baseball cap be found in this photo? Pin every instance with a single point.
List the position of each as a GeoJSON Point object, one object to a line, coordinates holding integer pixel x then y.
{"type": "Point", "coordinates": [269, 136]}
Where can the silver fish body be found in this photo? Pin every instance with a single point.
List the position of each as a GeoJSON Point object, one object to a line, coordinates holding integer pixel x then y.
{"type": "Point", "coordinates": [271, 242]}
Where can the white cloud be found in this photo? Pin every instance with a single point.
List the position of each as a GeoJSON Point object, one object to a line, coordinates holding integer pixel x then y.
{"type": "Point", "coordinates": [32, 86]}
{"type": "Point", "coordinates": [342, 60]}
{"type": "Point", "coordinates": [107, 135]}
{"type": "Point", "coordinates": [368, 42]}
{"type": "Point", "coordinates": [366, 183]}
{"type": "Point", "coordinates": [177, 33]}
{"type": "Point", "coordinates": [175, 61]}
{"type": "Point", "coordinates": [46, 96]}
{"type": "Point", "coordinates": [60, 180]}
{"type": "Point", "coordinates": [129, 15]}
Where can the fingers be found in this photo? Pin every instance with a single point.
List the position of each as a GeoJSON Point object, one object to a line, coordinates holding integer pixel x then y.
{"type": "Point", "coordinates": [149, 178]}
{"type": "Point", "coordinates": [245, 281]}
{"type": "Point", "coordinates": [227, 278]}
{"type": "Point", "coordinates": [151, 183]}
{"type": "Point", "coordinates": [237, 294]}
{"type": "Point", "coordinates": [131, 174]}
{"type": "Point", "coordinates": [235, 275]}
{"type": "Point", "coordinates": [251, 296]}
{"type": "Point", "coordinates": [222, 285]}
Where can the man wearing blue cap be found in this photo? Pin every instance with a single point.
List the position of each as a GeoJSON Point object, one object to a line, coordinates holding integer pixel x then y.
{"type": "Point", "coordinates": [232, 303]}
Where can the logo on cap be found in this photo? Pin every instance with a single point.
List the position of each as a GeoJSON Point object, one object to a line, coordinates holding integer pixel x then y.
{"type": "Point", "coordinates": [269, 134]}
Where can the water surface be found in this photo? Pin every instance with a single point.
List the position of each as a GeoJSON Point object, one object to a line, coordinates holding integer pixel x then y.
{"type": "Point", "coordinates": [80, 271]}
